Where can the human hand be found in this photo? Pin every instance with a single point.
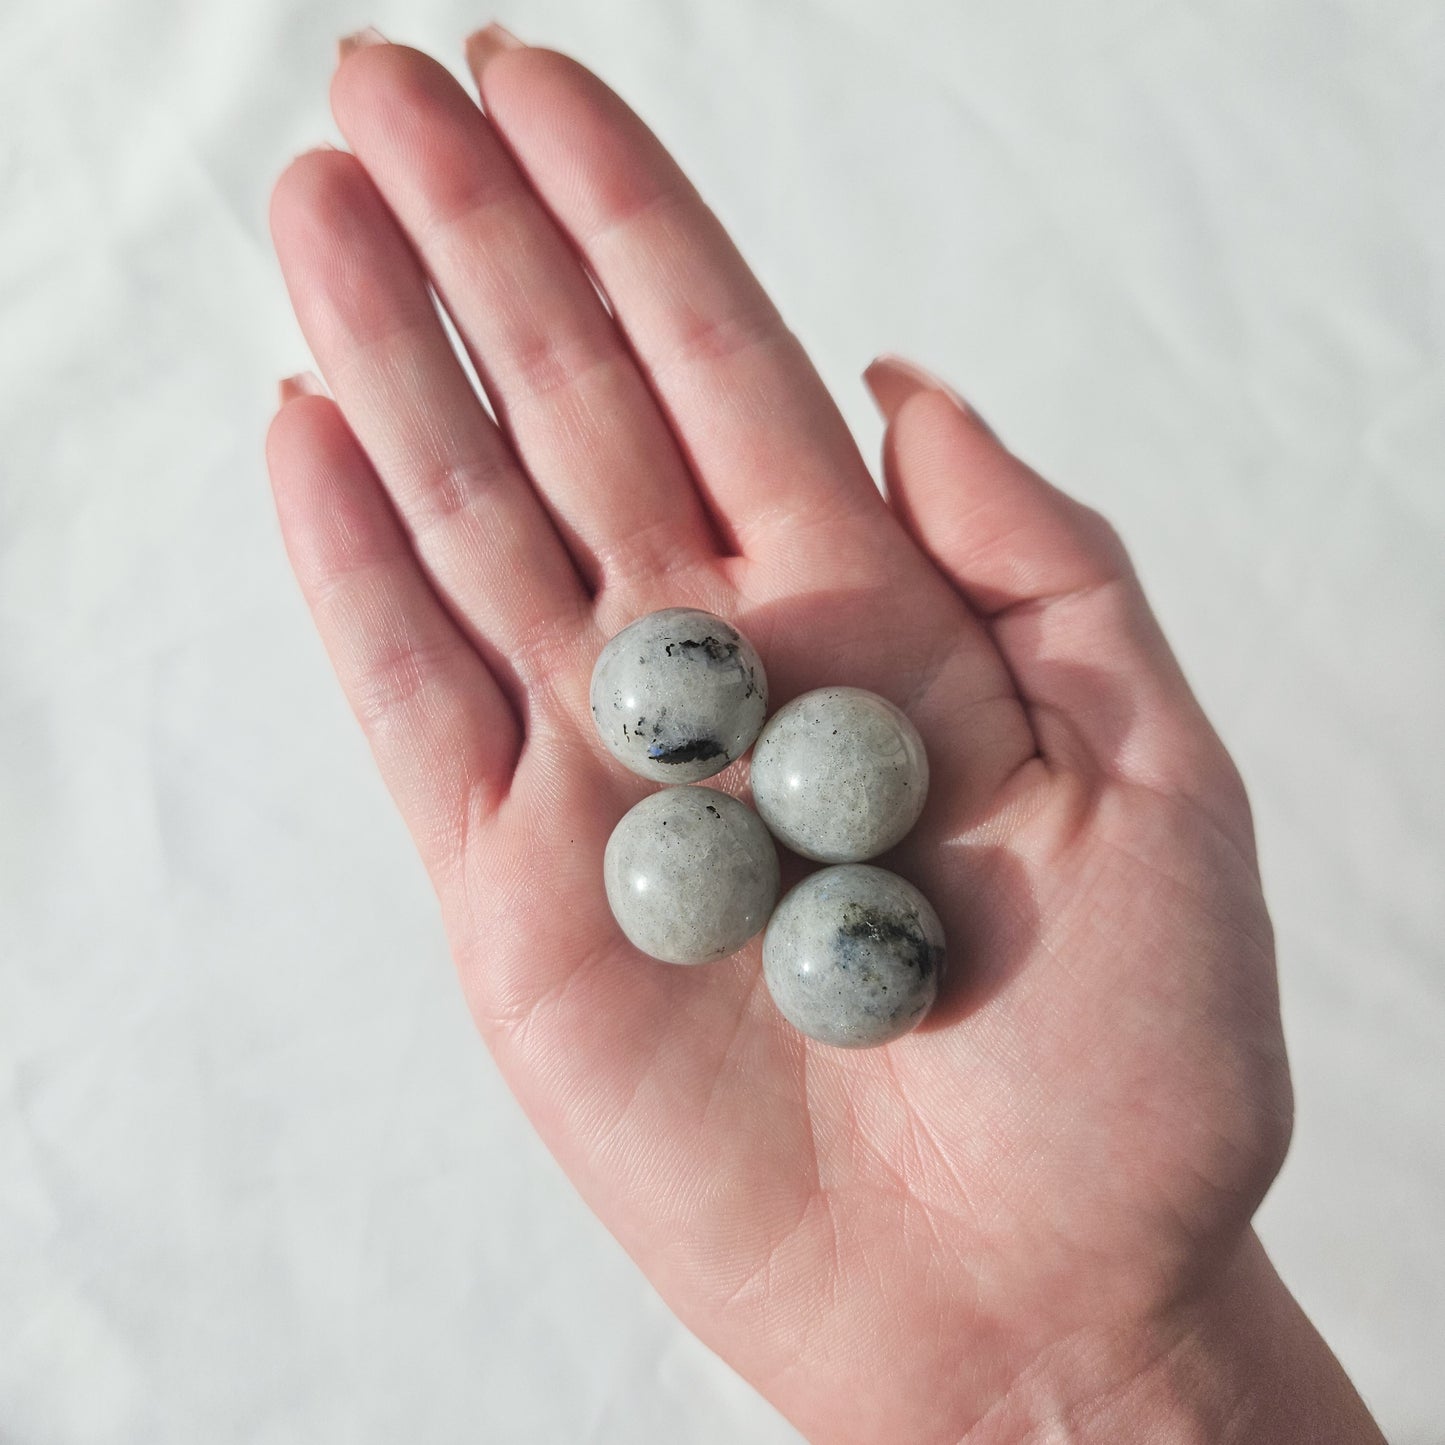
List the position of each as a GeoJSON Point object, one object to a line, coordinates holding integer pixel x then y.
{"type": "Point", "coordinates": [1031, 1214]}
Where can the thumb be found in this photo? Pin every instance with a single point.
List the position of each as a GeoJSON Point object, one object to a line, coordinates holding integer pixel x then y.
{"type": "Point", "coordinates": [1052, 581]}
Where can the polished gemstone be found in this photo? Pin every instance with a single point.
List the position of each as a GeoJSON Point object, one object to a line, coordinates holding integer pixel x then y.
{"type": "Point", "coordinates": [839, 774]}
{"type": "Point", "coordinates": [678, 695]}
{"type": "Point", "coordinates": [691, 874]}
{"type": "Point", "coordinates": [853, 955]}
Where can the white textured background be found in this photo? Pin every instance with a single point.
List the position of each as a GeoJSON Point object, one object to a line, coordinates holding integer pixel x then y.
{"type": "Point", "coordinates": [258, 1182]}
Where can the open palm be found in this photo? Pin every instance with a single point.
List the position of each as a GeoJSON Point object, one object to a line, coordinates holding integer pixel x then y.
{"type": "Point", "coordinates": [885, 1242]}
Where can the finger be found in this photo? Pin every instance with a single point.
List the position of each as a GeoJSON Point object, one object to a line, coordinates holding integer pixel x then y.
{"type": "Point", "coordinates": [476, 525]}
{"type": "Point", "coordinates": [443, 733]}
{"type": "Point", "coordinates": [764, 440]}
{"type": "Point", "coordinates": [1053, 582]}
{"type": "Point", "coordinates": [562, 381]}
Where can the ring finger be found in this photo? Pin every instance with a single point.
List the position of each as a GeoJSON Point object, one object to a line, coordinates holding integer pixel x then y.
{"type": "Point", "coordinates": [477, 526]}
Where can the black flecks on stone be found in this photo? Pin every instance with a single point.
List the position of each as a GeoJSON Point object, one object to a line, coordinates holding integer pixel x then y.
{"type": "Point", "coordinates": [712, 648]}
{"type": "Point", "coordinates": [898, 933]}
{"type": "Point", "coordinates": [713, 811]}
{"type": "Point", "coordinates": [694, 750]}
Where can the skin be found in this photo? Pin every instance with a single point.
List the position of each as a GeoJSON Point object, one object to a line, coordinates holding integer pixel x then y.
{"type": "Point", "coordinates": [1030, 1218]}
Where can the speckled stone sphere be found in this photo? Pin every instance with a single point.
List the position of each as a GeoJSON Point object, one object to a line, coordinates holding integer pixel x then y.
{"type": "Point", "coordinates": [678, 695]}
{"type": "Point", "coordinates": [691, 874]}
{"type": "Point", "coordinates": [839, 774]}
{"type": "Point", "coordinates": [853, 955]}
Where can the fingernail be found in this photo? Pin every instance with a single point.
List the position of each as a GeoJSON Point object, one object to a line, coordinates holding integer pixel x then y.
{"type": "Point", "coordinates": [362, 38]}
{"type": "Point", "coordinates": [892, 380]}
{"type": "Point", "coordinates": [304, 383]}
{"type": "Point", "coordinates": [484, 45]}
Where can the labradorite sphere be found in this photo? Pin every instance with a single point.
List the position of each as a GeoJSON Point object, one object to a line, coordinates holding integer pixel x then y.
{"type": "Point", "coordinates": [678, 695]}
{"type": "Point", "coordinates": [691, 875]}
{"type": "Point", "coordinates": [839, 775]}
{"type": "Point", "coordinates": [853, 956]}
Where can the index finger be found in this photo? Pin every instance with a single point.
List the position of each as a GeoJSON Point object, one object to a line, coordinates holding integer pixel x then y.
{"type": "Point", "coordinates": [765, 440]}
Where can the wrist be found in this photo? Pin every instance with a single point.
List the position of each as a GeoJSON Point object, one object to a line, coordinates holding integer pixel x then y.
{"type": "Point", "coordinates": [1237, 1362]}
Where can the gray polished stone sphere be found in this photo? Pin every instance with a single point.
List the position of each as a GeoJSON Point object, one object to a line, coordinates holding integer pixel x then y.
{"type": "Point", "coordinates": [853, 955]}
{"type": "Point", "coordinates": [839, 774]}
{"type": "Point", "coordinates": [678, 695]}
{"type": "Point", "coordinates": [691, 874]}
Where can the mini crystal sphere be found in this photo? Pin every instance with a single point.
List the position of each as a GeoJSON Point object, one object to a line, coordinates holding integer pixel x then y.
{"type": "Point", "coordinates": [853, 956]}
{"type": "Point", "coordinates": [839, 774]}
{"type": "Point", "coordinates": [678, 695]}
{"type": "Point", "coordinates": [691, 874]}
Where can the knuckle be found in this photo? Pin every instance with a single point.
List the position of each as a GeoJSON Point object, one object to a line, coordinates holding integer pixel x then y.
{"type": "Point", "coordinates": [548, 363]}
{"type": "Point", "coordinates": [711, 339]}
{"type": "Point", "coordinates": [545, 655]}
{"type": "Point", "coordinates": [443, 491]}
{"type": "Point", "coordinates": [1101, 537]}
{"type": "Point", "coordinates": [1269, 1129]}
{"type": "Point", "coordinates": [397, 676]}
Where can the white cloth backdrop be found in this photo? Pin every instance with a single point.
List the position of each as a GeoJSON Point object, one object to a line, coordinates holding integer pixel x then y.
{"type": "Point", "coordinates": [258, 1181]}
